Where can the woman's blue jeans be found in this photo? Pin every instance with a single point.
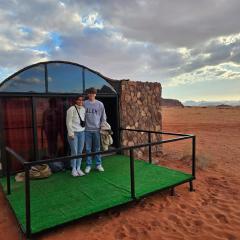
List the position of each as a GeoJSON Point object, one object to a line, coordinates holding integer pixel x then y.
{"type": "Point", "coordinates": [76, 146]}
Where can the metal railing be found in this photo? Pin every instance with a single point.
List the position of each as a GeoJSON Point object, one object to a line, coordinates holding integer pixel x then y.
{"type": "Point", "coordinates": [27, 165]}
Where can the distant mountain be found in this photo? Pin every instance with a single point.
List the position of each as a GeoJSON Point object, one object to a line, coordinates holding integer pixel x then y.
{"type": "Point", "coordinates": [224, 106]}
{"type": "Point", "coordinates": [167, 102]}
{"type": "Point", "coordinates": [210, 103]}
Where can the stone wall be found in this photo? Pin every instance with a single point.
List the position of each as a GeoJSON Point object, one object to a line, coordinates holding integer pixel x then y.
{"type": "Point", "coordinates": [140, 108]}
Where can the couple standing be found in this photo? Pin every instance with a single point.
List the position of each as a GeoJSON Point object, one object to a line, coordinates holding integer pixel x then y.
{"type": "Point", "coordinates": [83, 122]}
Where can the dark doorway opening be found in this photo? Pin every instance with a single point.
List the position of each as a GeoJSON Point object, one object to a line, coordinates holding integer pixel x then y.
{"type": "Point", "coordinates": [111, 108]}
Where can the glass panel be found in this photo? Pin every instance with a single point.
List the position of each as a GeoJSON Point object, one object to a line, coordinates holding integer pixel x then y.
{"type": "Point", "coordinates": [17, 127]}
{"type": "Point", "coordinates": [64, 78]}
{"type": "Point", "coordinates": [51, 126]}
{"type": "Point", "coordinates": [30, 80]}
{"type": "Point", "coordinates": [94, 80]}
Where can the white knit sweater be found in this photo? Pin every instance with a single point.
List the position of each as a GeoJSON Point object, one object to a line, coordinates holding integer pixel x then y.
{"type": "Point", "coordinates": [73, 121]}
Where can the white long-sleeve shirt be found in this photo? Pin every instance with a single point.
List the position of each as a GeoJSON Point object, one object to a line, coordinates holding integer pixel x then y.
{"type": "Point", "coordinates": [73, 121]}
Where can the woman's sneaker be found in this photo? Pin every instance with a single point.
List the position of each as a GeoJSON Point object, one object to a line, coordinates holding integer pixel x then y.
{"type": "Point", "coordinates": [74, 173]}
{"type": "Point", "coordinates": [100, 168]}
{"type": "Point", "coordinates": [80, 172]}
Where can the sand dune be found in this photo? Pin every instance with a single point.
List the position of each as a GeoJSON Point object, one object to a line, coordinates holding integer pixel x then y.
{"type": "Point", "coordinates": [211, 212]}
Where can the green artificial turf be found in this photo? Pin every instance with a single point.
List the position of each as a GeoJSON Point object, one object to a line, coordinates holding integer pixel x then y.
{"type": "Point", "coordinates": [62, 198]}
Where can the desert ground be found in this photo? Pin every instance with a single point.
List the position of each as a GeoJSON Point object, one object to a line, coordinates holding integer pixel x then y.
{"type": "Point", "coordinates": [212, 212]}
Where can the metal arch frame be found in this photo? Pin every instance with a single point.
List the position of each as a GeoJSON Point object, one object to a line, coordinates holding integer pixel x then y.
{"type": "Point", "coordinates": [28, 165]}
{"type": "Point", "coordinates": [108, 80]}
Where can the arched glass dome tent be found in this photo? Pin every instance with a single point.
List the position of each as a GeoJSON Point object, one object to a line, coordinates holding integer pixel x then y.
{"type": "Point", "coordinates": [37, 97]}
{"type": "Point", "coordinates": [33, 104]}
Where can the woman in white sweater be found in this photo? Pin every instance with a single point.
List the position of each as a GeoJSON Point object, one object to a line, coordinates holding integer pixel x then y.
{"type": "Point", "coordinates": [75, 122]}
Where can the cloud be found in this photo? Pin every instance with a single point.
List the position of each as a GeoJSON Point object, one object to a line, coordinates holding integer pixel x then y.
{"type": "Point", "coordinates": [222, 72]}
{"type": "Point", "coordinates": [173, 42]}
{"type": "Point", "coordinates": [173, 23]}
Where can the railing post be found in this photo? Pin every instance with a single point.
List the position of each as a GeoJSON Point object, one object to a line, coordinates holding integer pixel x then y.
{"type": "Point", "coordinates": [191, 188]}
{"type": "Point", "coordinates": [8, 170]}
{"type": "Point", "coordinates": [120, 132]}
{"type": "Point", "coordinates": [132, 174]}
{"type": "Point", "coordinates": [172, 191]}
{"type": "Point", "coordinates": [194, 156]}
{"type": "Point", "coordinates": [149, 148]}
{"type": "Point", "coordinates": [27, 202]}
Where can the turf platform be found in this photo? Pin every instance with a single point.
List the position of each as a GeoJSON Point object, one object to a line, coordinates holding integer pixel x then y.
{"type": "Point", "coordinates": [62, 198]}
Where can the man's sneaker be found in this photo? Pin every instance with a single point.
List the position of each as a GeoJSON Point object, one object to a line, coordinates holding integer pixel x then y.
{"type": "Point", "coordinates": [87, 169]}
{"type": "Point", "coordinates": [80, 172]}
{"type": "Point", "coordinates": [100, 168]}
{"type": "Point", "coordinates": [74, 173]}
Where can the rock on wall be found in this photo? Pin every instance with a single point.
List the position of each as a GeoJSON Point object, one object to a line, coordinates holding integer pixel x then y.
{"type": "Point", "coordinates": [140, 108]}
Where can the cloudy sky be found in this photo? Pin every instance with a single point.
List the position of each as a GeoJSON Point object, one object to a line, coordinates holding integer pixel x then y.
{"type": "Point", "coordinates": [191, 47]}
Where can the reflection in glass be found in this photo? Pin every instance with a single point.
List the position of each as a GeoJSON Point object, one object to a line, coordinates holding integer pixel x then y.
{"type": "Point", "coordinates": [30, 80]}
{"type": "Point", "coordinates": [51, 126]}
{"type": "Point", "coordinates": [64, 78]}
{"type": "Point", "coordinates": [94, 80]}
{"type": "Point", "coordinates": [51, 114]}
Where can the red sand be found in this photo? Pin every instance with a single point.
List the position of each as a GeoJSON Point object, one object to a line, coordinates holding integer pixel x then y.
{"type": "Point", "coordinates": [212, 212]}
